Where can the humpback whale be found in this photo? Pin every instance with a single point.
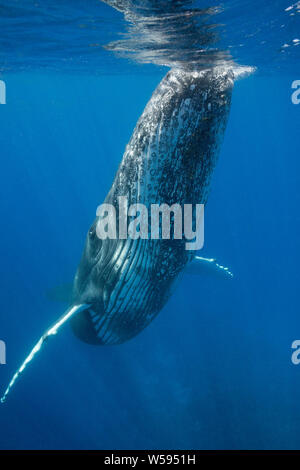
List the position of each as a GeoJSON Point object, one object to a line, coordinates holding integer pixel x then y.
{"type": "Point", "coordinates": [122, 284]}
{"type": "Point", "coordinates": [169, 159]}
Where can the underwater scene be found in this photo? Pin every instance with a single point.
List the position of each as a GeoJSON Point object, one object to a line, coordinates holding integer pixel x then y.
{"type": "Point", "coordinates": [150, 224]}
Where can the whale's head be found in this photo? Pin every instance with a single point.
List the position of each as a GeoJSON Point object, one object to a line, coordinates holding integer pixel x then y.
{"type": "Point", "coordinates": [125, 283]}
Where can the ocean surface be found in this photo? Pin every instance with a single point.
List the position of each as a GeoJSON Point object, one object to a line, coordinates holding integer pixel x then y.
{"type": "Point", "coordinates": [214, 369]}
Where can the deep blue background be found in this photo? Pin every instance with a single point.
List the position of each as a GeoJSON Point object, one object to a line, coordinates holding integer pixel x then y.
{"type": "Point", "coordinates": [214, 369]}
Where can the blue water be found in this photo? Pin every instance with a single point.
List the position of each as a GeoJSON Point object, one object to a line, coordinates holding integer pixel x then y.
{"type": "Point", "coordinates": [214, 370]}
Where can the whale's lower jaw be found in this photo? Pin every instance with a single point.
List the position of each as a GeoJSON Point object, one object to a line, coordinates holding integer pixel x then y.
{"type": "Point", "coordinates": [84, 329]}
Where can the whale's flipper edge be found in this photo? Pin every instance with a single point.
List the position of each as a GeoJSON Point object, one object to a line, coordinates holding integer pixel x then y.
{"type": "Point", "coordinates": [73, 310]}
{"type": "Point", "coordinates": [209, 266]}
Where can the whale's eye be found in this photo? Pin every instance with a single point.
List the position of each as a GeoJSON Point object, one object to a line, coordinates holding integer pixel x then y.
{"type": "Point", "coordinates": [94, 242]}
{"type": "Point", "coordinates": [93, 239]}
{"type": "Point", "coordinates": [93, 233]}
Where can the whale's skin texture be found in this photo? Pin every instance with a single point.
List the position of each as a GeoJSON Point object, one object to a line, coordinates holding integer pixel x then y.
{"type": "Point", "coordinates": [169, 159]}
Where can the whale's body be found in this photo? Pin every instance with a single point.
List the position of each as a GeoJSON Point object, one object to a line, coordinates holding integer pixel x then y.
{"type": "Point", "coordinates": [169, 159]}
{"type": "Point", "coordinates": [122, 284]}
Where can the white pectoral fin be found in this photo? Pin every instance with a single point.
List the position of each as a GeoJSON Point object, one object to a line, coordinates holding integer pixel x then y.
{"type": "Point", "coordinates": [73, 310]}
{"type": "Point", "coordinates": [208, 266]}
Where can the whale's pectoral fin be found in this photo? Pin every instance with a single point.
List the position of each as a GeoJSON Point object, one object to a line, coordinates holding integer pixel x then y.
{"type": "Point", "coordinates": [209, 266]}
{"type": "Point", "coordinates": [73, 310]}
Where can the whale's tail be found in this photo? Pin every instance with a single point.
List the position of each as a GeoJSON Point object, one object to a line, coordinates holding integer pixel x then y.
{"type": "Point", "coordinates": [73, 310]}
